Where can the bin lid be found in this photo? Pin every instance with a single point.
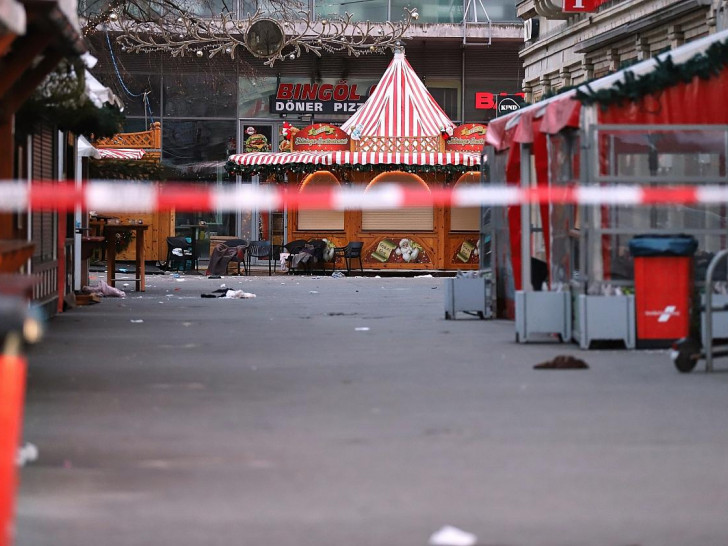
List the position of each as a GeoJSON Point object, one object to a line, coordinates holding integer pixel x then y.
{"type": "Point", "coordinates": [663, 245]}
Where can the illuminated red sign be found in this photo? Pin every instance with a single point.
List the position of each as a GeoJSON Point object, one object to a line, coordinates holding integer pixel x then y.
{"type": "Point", "coordinates": [467, 138]}
{"type": "Point", "coordinates": [317, 98]}
{"type": "Point", "coordinates": [489, 101]}
{"type": "Point", "coordinates": [579, 6]}
{"type": "Point", "coordinates": [320, 136]}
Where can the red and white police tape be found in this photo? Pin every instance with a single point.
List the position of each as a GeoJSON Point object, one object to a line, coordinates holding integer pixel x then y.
{"type": "Point", "coordinates": [147, 196]}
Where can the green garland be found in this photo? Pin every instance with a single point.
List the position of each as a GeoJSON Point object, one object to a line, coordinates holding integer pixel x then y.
{"type": "Point", "coordinates": [123, 239]}
{"type": "Point", "coordinates": [61, 100]}
{"type": "Point", "coordinates": [666, 74]}
{"type": "Point", "coordinates": [278, 172]}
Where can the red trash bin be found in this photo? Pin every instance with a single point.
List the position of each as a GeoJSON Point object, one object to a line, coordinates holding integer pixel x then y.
{"type": "Point", "coordinates": [663, 283]}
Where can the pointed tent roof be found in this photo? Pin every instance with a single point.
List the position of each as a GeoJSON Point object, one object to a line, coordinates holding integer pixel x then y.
{"type": "Point", "coordinates": [400, 106]}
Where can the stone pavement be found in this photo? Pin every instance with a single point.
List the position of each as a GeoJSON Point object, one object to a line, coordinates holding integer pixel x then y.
{"type": "Point", "coordinates": [347, 411]}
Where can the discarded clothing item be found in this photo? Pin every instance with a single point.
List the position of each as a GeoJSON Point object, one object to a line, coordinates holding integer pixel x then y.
{"type": "Point", "coordinates": [103, 289]}
{"type": "Point", "coordinates": [563, 362]}
{"type": "Point", "coordinates": [221, 256]}
{"type": "Point", "coordinates": [239, 294]}
{"type": "Point", "coordinates": [219, 293]}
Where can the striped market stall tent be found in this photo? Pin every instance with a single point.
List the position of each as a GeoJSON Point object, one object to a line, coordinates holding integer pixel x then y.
{"type": "Point", "coordinates": [400, 136]}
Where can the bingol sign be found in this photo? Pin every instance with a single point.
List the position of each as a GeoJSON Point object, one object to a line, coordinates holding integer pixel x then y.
{"type": "Point", "coordinates": [316, 98]}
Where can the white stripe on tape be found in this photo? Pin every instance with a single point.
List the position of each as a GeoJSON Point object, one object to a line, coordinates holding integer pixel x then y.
{"type": "Point", "coordinates": [14, 196]}
{"type": "Point", "coordinates": [379, 198]}
{"type": "Point", "coordinates": [135, 197]}
{"type": "Point", "coordinates": [492, 195]}
{"type": "Point", "coordinates": [596, 195]}
{"type": "Point", "coordinates": [712, 194]}
{"type": "Point", "coordinates": [245, 198]}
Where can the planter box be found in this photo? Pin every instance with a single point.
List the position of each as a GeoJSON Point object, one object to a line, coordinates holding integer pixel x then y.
{"type": "Point", "coordinates": [542, 313]}
{"type": "Point", "coordinates": [604, 318]}
{"type": "Point", "coordinates": [469, 295]}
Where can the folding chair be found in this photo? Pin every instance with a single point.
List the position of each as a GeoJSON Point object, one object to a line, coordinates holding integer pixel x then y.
{"type": "Point", "coordinates": [350, 252]}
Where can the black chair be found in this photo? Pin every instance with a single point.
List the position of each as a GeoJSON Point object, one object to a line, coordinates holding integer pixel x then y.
{"type": "Point", "coordinates": [319, 247]}
{"type": "Point", "coordinates": [350, 252]}
{"type": "Point", "coordinates": [240, 257]}
{"type": "Point", "coordinates": [180, 256]}
{"type": "Point", "coordinates": [261, 250]}
{"type": "Point", "coordinates": [293, 248]}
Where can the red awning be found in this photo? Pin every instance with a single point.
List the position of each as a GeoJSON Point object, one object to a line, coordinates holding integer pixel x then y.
{"type": "Point", "coordinates": [120, 153]}
{"type": "Point", "coordinates": [281, 158]}
{"type": "Point", "coordinates": [402, 158]}
{"type": "Point", "coordinates": [557, 112]}
{"type": "Point", "coordinates": [357, 158]}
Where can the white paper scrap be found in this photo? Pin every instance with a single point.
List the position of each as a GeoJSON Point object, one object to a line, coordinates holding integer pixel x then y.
{"type": "Point", "coordinates": [452, 536]}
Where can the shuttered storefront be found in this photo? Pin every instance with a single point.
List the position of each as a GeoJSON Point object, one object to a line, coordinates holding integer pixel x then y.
{"type": "Point", "coordinates": [320, 220]}
{"type": "Point", "coordinates": [466, 218]}
{"type": "Point", "coordinates": [405, 219]}
{"type": "Point", "coordinates": [44, 224]}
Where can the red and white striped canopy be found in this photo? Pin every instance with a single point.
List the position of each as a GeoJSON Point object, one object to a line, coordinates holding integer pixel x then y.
{"type": "Point", "coordinates": [357, 158]}
{"type": "Point", "coordinates": [120, 153]}
{"type": "Point", "coordinates": [404, 158]}
{"type": "Point", "coordinates": [400, 106]}
{"type": "Point", "coordinates": [281, 158]}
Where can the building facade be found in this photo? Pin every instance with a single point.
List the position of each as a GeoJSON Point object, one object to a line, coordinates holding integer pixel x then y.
{"type": "Point", "coordinates": [565, 48]}
{"type": "Point", "coordinates": [207, 107]}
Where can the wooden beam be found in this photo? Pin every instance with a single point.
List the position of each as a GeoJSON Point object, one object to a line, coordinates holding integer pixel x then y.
{"type": "Point", "coordinates": [20, 58]}
{"type": "Point", "coordinates": [26, 85]}
{"type": "Point", "coordinates": [7, 146]}
{"type": "Point", "coordinates": [7, 152]}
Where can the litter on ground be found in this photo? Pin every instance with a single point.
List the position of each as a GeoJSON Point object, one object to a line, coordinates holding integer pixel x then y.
{"type": "Point", "coordinates": [452, 536]}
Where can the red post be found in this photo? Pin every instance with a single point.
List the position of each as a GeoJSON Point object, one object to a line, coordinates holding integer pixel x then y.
{"type": "Point", "coordinates": [12, 389]}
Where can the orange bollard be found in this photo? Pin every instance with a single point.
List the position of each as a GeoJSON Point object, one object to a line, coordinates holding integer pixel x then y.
{"type": "Point", "coordinates": [12, 390]}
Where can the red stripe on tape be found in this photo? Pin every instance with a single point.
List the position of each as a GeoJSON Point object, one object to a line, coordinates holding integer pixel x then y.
{"type": "Point", "coordinates": [184, 198]}
{"type": "Point", "coordinates": [55, 195]}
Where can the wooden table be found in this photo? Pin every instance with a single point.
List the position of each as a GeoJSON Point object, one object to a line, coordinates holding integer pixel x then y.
{"type": "Point", "coordinates": [110, 231]}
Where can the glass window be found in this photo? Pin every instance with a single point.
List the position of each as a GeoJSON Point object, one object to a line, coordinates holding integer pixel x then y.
{"type": "Point", "coordinates": [206, 8]}
{"type": "Point", "coordinates": [138, 84]}
{"type": "Point", "coordinates": [447, 98]}
{"type": "Point", "coordinates": [135, 125]}
{"type": "Point", "coordinates": [200, 95]}
{"type": "Point", "coordinates": [249, 7]}
{"type": "Point", "coordinates": [194, 142]}
{"type": "Point", "coordinates": [254, 97]}
{"type": "Point", "coordinates": [433, 11]}
{"type": "Point", "coordinates": [362, 10]}
{"type": "Point", "coordinates": [495, 10]}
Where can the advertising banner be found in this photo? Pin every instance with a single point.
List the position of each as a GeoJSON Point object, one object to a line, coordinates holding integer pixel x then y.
{"type": "Point", "coordinates": [321, 137]}
{"type": "Point", "coordinates": [469, 137]}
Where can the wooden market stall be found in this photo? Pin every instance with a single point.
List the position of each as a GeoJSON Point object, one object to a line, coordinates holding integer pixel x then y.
{"type": "Point", "coordinates": [399, 136]}
{"type": "Point", "coordinates": [660, 123]}
{"type": "Point", "coordinates": [141, 146]}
